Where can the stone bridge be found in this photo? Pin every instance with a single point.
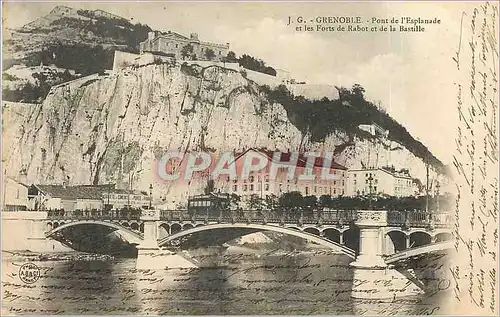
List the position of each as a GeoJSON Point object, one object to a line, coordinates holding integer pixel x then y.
{"type": "Point", "coordinates": [333, 229]}
{"type": "Point", "coordinates": [376, 240]}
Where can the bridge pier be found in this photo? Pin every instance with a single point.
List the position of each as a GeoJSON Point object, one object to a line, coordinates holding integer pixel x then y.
{"type": "Point", "coordinates": [150, 255]}
{"type": "Point", "coordinates": [373, 278]}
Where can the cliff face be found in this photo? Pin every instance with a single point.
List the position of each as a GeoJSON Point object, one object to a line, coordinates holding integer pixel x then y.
{"type": "Point", "coordinates": [101, 128]}
{"type": "Point", "coordinates": [112, 128]}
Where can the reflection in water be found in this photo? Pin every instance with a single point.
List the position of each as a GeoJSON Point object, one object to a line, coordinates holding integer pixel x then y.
{"type": "Point", "coordinates": [229, 283]}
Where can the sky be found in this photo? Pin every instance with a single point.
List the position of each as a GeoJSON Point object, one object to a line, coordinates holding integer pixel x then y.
{"type": "Point", "coordinates": [408, 73]}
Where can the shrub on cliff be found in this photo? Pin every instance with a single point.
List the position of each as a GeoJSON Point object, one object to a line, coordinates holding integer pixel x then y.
{"type": "Point", "coordinates": [322, 117]}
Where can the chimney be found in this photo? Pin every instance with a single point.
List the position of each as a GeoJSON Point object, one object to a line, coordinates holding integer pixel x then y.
{"type": "Point", "coordinates": [194, 36]}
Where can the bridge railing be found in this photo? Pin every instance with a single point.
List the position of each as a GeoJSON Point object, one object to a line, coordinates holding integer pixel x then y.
{"type": "Point", "coordinates": [330, 217]}
{"type": "Point", "coordinates": [418, 218]}
{"type": "Point", "coordinates": [262, 216]}
{"type": "Point", "coordinates": [94, 215]}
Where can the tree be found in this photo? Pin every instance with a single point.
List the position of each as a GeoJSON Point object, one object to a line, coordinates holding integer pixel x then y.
{"type": "Point", "coordinates": [358, 91]}
{"type": "Point", "coordinates": [234, 201]}
{"type": "Point", "coordinates": [66, 75]}
{"type": "Point", "coordinates": [231, 57]}
{"type": "Point", "coordinates": [271, 202]}
{"type": "Point", "coordinates": [291, 202]}
{"type": "Point", "coordinates": [325, 201]}
{"type": "Point", "coordinates": [210, 187]}
{"type": "Point", "coordinates": [209, 54]}
{"type": "Point", "coordinates": [187, 51]}
{"type": "Point", "coordinates": [255, 202]}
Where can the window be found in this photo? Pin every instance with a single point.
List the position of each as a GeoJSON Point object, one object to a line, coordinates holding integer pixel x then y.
{"type": "Point", "coordinates": [354, 182]}
{"type": "Point", "coordinates": [321, 190]}
{"type": "Point", "coordinates": [354, 174]}
{"type": "Point", "coordinates": [334, 182]}
{"type": "Point", "coordinates": [251, 187]}
{"type": "Point", "coordinates": [235, 188]}
{"type": "Point", "coordinates": [315, 189]}
{"type": "Point", "coordinates": [335, 191]}
{"type": "Point", "coordinates": [251, 179]}
{"type": "Point", "coordinates": [244, 188]}
{"type": "Point", "coordinates": [266, 187]}
{"type": "Point", "coordinates": [307, 190]}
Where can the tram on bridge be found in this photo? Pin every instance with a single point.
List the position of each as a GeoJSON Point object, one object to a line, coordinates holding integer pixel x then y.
{"type": "Point", "coordinates": [211, 205]}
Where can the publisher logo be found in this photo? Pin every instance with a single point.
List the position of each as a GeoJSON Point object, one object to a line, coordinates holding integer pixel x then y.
{"type": "Point", "coordinates": [29, 273]}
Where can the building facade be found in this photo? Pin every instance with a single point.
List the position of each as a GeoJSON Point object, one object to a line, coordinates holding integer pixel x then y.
{"type": "Point", "coordinates": [173, 44]}
{"type": "Point", "coordinates": [261, 184]}
{"type": "Point", "coordinates": [383, 181]}
{"type": "Point", "coordinates": [374, 129]}
{"type": "Point", "coordinates": [15, 195]}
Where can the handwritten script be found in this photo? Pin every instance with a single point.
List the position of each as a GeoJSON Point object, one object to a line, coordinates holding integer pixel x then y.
{"type": "Point", "coordinates": [476, 162]}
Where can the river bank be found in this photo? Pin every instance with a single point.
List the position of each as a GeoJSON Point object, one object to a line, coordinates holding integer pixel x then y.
{"type": "Point", "coordinates": [55, 256]}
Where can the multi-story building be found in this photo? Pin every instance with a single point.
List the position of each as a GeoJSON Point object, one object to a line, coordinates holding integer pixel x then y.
{"type": "Point", "coordinates": [173, 44]}
{"type": "Point", "coordinates": [262, 184]}
{"type": "Point", "coordinates": [383, 181]}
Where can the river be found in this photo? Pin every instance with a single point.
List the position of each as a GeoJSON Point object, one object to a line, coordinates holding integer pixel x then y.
{"type": "Point", "coordinates": [230, 282]}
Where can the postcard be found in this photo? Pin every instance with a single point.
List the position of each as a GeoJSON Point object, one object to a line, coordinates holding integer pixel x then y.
{"type": "Point", "coordinates": [250, 158]}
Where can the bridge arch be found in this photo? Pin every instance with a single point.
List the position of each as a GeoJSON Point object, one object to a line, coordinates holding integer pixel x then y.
{"type": "Point", "coordinates": [443, 236]}
{"type": "Point", "coordinates": [131, 236]}
{"type": "Point", "coordinates": [420, 238]}
{"type": "Point", "coordinates": [175, 227]}
{"type": "Point", "coordinates": [409, 253]}
{"type": "Point", "coordinates": [395, 241]}
{"type": "Point", "coordinates": [187, 226]}
{"type": "Point", "coordinates": [305, 235]}
{"type": "Point", "coordinates": [312, 230]}
{"type": "Point", "coordinates": [332, 234]}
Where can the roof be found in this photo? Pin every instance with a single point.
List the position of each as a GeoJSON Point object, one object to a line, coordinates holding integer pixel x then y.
{"type": "Point", "coordinates": [285, 158]}
{"type": "Point", "coordinates": [382, 169]}
{"type": "Point", "coordinates": [83, 191]}
{"type": "Point", "coordinates": [209, 196]}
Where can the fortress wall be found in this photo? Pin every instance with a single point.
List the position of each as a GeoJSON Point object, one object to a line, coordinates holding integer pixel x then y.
{"type": "Point", "coordinates": [234, 66]}
{"type": "Point", "coordinates": [123, 60]}
{"type": "Point", "coordinates": [263, 79]}
{"type": "Point", "coordinates": [314, 91]}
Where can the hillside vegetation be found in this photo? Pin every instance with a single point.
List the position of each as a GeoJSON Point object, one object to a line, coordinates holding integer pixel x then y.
{"type": "Point", "coordinates": [321, 118]}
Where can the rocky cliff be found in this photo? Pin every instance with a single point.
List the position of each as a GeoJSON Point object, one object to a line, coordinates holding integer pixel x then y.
{"type": "Point", "coordinates": [112, 127]}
